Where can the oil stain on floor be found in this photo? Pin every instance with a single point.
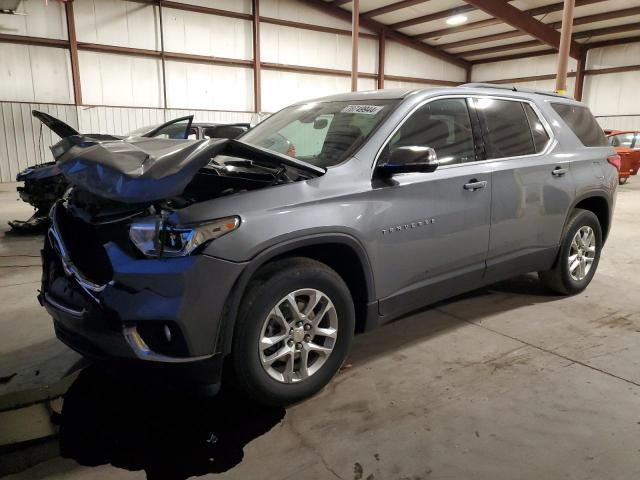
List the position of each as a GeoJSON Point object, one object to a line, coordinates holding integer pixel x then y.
{"type": "Point", "coordinates": [167, 435]}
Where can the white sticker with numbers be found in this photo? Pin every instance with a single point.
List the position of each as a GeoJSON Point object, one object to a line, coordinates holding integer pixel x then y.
{"type": "Point", "coordinates": [362, 109]}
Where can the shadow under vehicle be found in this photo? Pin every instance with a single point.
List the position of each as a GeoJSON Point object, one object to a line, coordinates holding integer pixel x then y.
{"type": "Point", "coordinates": [44, 184]}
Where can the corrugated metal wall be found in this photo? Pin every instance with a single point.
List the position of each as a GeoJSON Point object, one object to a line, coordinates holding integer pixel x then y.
{"type": "Point", "coordinates": [24, 141]}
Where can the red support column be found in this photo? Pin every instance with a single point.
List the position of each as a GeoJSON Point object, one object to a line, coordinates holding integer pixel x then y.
{"type": "Point", "coordinates": [381, 54]}
{"type": "Point", "coordinates": [355, 33]}
{"type": "Point", "coordinates": [73, 53]}
{"type": "Point", "coordinates": [257, 72]}
{"type": "Point", "coordinates": [565, 46]}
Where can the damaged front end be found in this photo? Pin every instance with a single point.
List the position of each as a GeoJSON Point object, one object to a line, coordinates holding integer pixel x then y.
{"type": "Point", "coordinates": [122, 277]}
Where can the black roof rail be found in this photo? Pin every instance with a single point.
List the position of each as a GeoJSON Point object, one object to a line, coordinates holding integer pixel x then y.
{"type": "Point", "coordinates": [511, 88]}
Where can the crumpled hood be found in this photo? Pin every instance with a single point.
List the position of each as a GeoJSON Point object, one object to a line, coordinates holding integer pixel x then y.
{"type": "Point", "coordinates": [133, 170]}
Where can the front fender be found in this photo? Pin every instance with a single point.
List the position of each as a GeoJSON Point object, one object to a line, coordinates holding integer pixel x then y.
{"type": "Point", "coordinates": [232, 305]}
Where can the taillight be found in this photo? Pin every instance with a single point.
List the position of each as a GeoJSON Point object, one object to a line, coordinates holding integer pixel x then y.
{"type": "Point", "coordinates": [615, 161]}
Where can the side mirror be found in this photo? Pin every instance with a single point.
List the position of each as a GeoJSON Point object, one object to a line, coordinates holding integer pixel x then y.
{"type": "Point", "coordinates": [408, 160]}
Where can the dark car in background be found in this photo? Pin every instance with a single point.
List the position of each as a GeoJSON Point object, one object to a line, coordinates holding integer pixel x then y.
{"type": "Point", "coordinates": [43, 184]}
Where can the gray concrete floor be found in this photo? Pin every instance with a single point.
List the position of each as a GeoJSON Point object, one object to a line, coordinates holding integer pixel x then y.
{"type": "Point", "coordinates": [509, 382]}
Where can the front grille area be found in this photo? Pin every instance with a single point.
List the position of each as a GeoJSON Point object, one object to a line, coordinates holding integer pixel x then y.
{"type": "Point", "coordinates": [85, 246]}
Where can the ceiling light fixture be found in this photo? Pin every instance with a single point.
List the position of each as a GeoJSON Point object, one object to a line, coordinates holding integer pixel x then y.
{"type": "Point", "coordinates": [456, 20]}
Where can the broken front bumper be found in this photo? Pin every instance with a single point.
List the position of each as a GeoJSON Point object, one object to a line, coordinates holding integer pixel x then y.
{"type": "Point", "coordinates": [161, 311]}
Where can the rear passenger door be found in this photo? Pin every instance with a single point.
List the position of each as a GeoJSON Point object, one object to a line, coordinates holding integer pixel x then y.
{"type": "Point", "coordinates": [531, 190]}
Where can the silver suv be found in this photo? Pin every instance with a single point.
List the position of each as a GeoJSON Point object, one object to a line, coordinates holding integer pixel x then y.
{"type": "Point", "coordinates": [266, 254]}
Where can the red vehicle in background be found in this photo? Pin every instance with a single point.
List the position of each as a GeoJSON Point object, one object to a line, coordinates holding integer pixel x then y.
{"type": "Point", "coordinates": [627, 145]}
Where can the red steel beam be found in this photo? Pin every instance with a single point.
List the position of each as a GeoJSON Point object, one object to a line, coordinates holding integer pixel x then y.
{"type": "Point", "coordinates": [73, 53]}
{"type": "Point", "coordinates": [577, 93]}
{"type": "Point", "coordinates": [524, 22]}
{"type": "Point", "coordinates": [355, 31]}
{"type": "Point", "coordinates": [257, 74]}
{"type": "Point", "coordinates": [381, 54]}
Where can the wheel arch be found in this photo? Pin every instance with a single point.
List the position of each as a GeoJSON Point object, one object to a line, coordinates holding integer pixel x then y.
{"type": "Point", "coordinates": [601, 208]}
{"type": "Point", "coordinates": [342, 252]}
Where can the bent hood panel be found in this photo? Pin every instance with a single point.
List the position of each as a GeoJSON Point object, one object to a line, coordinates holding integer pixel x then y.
{"type": "Point", "coordinates": [135, 170]}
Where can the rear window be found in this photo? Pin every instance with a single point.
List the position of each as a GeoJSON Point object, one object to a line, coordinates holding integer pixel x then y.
{"type": "Point", "coordinates": [505, 128]}
{"type": "Point", "coordinates": [581, 122]}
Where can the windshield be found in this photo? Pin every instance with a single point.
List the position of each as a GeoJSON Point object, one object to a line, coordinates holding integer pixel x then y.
{"type": "Point", "coordinates": [320, 133]}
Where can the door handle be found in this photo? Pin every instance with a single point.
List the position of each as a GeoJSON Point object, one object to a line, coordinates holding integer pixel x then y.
{"type": "Point", "coordinates": [559, 171]}
{"type": "Point", "coordinates": [474, 185]}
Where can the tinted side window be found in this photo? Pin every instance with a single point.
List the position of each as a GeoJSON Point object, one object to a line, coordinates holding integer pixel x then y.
{"type": "Point", "coordinates": [582, 123]}
{"type": "Point", "coordinates": [443, 125]}
{"type": "Point", "coordinates": [539, 134]}
{"type": "Point", "coordinates": [505, 128]}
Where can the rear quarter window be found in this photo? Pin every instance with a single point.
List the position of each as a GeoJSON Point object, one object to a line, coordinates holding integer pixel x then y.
{"type": "Point", "coordinates": [582, 123]}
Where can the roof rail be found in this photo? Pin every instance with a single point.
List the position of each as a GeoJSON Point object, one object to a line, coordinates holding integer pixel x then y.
{"type": "Point", "coordinates": [511, 88]}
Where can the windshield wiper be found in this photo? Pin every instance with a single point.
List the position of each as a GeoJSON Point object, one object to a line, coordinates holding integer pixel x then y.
{"type": "Point", "coordinates": [242, 148]}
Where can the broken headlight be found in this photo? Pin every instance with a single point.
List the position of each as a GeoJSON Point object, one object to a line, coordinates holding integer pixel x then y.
{"type": "Point", "coordinates": [155, 238]}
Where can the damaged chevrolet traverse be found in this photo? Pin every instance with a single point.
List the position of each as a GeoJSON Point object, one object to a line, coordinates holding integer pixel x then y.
{"type": "Point", "coordinates": [267, 253]}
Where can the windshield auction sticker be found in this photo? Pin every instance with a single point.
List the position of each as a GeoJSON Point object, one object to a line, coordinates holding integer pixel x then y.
{"type": "Point", "coordinates": [362, 109]}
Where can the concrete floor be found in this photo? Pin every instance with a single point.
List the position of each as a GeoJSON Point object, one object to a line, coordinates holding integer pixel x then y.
{"type": "Point", "coordinates": [508, 382]}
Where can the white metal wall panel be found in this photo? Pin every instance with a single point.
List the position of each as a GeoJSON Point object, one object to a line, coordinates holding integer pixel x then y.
{"type": "Point", "coordinates": [209, 87]}
{"type": "Point", "coordinates": [547, 85]}
{"type": "Point", "coordinates": [391, 84]}
{"type": "Point", "coordinates": [41, 20]}
{"type": "Point", "coordinates": [615, 56]}
{"type": "Point", "coordinates": [241, 6]}
{"type": "Point", "coordinates": [117, 121]}
{"type": "Point", "coordinates": [525, 67]}
{"type": "Point", "coordinates": [295, 46]}
{"type": "Point", "coordinates": [613, 94]}
{"type": "Point", "coordinates": [408, 62]}
{"type": "Point", "coordinates": [117, 22]}
{"type": "Point", "coordinates": [297, 11]}
{"type": "Point", "coordinates": [212, 35]}
{"type": "Point", "coordinates": [280, 89]}
{"type": "Point", "coordinates": [23, 139]}
{"type": "Point", "coordinates": [29, 73]}
{"type": "Point", "coordinates": [620, 123]}
{"type": "Point", "coordinates": [112, 79]}
{"type": "Point", "coordinates": [215, 116]}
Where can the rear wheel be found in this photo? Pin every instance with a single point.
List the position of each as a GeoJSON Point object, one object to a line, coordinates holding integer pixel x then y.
{"type": "Point", "coordinates": [622, 180]}
{"type": "Point", "coordinates": [579, 254]}
{"type": "Point", "coordinates": [293, 332]}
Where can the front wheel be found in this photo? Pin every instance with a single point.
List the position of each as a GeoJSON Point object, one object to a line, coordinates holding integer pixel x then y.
{"type": "Point", "coordinates": [579, 254]}
{"type": "Point", "coordinates": [294, 331]}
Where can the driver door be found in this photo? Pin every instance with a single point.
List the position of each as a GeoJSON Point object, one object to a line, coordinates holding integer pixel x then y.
{"type": "Point", "coordinates": [432, 228]}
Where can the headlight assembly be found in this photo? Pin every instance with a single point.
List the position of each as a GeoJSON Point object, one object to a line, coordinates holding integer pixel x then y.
{"type": "Point", "coordinates": [155, 238]}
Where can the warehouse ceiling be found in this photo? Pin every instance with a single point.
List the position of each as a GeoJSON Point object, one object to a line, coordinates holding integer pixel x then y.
{"type": "Point", "coordinates": [483, 37]}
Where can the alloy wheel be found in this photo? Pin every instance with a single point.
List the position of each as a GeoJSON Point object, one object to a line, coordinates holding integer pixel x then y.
{"type": "Point", "coordinates": [582, 253]}
{"type": "Point", "coordinates": [298, 335]}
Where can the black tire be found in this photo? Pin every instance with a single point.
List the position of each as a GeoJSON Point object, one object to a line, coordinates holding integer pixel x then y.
{"type": "Point", "coordinates": [622, 180]}
{"type": "Point", "coordinates": [559, 278]}
{"type": "Point", "coordinates": [272, 283]}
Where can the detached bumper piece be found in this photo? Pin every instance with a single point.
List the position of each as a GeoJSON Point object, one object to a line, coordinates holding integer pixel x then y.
{"type": "Point", "coordinates": [106, 304]}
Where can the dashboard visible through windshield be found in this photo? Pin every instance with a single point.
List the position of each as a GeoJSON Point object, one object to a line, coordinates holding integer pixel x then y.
{"type": "Point", "coordinates": [320, 133]}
